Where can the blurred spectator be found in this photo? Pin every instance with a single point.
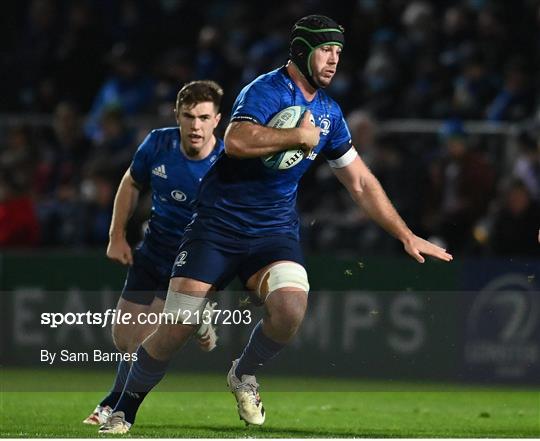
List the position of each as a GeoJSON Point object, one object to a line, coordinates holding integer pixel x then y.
{"type": "Point", "coordinates": [33, 56]}
{"type": "Point", "coordinates": [474, 88]}
{"type": "Point", "coordinates": [264, 52]}
{"type": "Point", "coordinates": [210, 61]}
{"type": "Point", "coordinates": [515, 225]}
{"type": "Point", "coordinates": [114, 150]}
{"type": "Point", "coordinates": [58, 176]}
{"type": "Point", "coordinates": [174, 67]}
{"type": "Point", "coordinates": [135, 22]}
{"type": "Point", "coordinates": [493, 36]}
{"type": "Point", "coordinates": [128, 88]}
{"type": "Point", "coordinates": [179, 22]}
{"type": "Point", "coordinates": [61, 218]}
{"type": "Point", "coordinates": [418, 20]}
{"type": "Point", "coordinates": [81, 41]}
{"type": "Point", "coordinates": [514, 101]}
{"type": "Point", "coordinates": [18, 222]}
{"type": "Point", "coordinates": [81, 218]}
{"type": "Point", "coordinates": [62, 159]}
{"type": "Point", "coordinates": [363, 130]}
{"type": "Point", "coordinates": [328, 216]}
{"type": "Point", "coordinates": [461, 186]}
{"type": "Point", "coordinates": [98, 192]}
{"type": "Point", "coordinates": [424, 96]}
{"type": "Point", "coordinates": [18, 154]}
{"type": "Point", "coordinates": [527, 164]}
{"type": "Point", "coordinates": [401, 176]}
{"type": "Point", "coordinates": [380, 77]}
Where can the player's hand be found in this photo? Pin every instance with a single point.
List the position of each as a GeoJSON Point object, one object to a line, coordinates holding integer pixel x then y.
{"type": "Point", "coordinates": [416, 246]}
{"type": "Point", "coordinates": [310, 134]}
{"type": "Point", "coordinates": [119, 251]}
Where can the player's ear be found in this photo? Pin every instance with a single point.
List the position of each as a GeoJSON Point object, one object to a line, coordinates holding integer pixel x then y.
{"type": "Point", "coordinates": [218, 118]}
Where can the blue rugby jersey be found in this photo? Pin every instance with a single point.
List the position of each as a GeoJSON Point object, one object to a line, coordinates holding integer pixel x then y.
{"type": "Point", "coordinates": [174, 180]}
{"type": "Point", "coordinates": [246, 198]}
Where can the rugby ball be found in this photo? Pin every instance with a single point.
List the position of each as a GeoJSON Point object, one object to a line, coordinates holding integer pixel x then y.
{"type": "Point", "coordinates": [286, 119]}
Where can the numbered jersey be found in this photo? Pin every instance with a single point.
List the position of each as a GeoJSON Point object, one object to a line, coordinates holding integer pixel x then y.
{"type": "Point", "coordinates": [174, 180]}
{"type": "Point", "coordinates": [245, 198]}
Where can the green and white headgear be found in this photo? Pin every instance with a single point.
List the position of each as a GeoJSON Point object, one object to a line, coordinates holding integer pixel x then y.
{"type": "Point", "coordinates": [308, 34]}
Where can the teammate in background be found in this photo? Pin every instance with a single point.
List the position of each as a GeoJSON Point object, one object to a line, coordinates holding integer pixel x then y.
{"type": "Point", "coordinates": [246, 223]}
{"type": "Point", "coordinates": [172, 161]}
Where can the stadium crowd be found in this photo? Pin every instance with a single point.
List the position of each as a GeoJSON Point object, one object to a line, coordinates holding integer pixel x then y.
{"type": "Point", "coordinates": [94, 65]}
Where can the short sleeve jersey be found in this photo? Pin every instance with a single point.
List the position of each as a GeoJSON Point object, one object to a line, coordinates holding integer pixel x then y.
{"type": "Point", "coordinates": [246, 198]}
{"type": "Point", "coordinates": [174, 179]}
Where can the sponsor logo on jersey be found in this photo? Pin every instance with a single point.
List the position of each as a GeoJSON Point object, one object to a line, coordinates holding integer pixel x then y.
{"type": "Point", "coordinates": [312, 156]}
{"type": "Point", "coordinates": [160, 171]}
{"type": "Point", "coordinates": [181, 259]}
{"type": "Point", "coordinates": [178, 195]}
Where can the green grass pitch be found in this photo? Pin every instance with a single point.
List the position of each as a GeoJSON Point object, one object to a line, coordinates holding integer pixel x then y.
{"type": "Point", "coordinates": [306, 408]}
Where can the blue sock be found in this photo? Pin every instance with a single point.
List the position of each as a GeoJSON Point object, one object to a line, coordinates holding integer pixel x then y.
{"type": "Point", "coordinates": [145, 373]}
{"type": "Point", "coordinates": [118, 385]}
{"type": "Point", "coordinates": [258, 351]}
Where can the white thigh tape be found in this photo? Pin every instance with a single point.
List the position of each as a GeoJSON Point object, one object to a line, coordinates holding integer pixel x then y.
{"type": "Point", "coordinates": [183, 308]}
{"type": "Point", "coordinates": [283, 275]}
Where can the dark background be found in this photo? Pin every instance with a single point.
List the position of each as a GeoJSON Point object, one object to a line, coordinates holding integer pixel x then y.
{"type": "Point", "coordinates": [442, 99]}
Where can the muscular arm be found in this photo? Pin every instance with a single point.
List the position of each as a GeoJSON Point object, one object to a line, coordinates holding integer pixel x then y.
{"type": "Point", "coordinates": [368, 193]}
{"type": "Point", "coordinates": [244, 139]}
{"type": "Point", "coordinates": [125, 202]}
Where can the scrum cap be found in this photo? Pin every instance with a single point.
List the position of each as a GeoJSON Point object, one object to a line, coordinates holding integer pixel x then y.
{"type": "Point", "coordinates": [309, 33]}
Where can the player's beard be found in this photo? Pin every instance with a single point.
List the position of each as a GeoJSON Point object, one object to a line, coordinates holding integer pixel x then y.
{"type": "Point", "coordinates": [322, 82]}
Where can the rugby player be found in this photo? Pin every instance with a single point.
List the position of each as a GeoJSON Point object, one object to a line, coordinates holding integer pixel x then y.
{"type": "Point", "coordinates": [172, 161]}
{"type": "Point", "coordinates": [246, 223]}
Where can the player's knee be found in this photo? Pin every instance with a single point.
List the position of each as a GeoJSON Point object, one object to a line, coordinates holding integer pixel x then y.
{"type": "Point", "coordinates": [169, 338]}
{"type": "Point", "coordinates": [281, 276]}
{"type": "Point", "coordinates": [121, 338]}
{"type": "Point", "coordinates": [287, 309]}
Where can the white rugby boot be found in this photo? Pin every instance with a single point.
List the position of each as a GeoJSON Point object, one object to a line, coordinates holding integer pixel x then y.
{"type": "Point", "coordinates": [206, 334]}
{"type": "Point", "coordinates": [246, 392]}
{"type": "Point", "coordinates": [116, 424]}
{"type": "Point", "coordinates": [99, 416]}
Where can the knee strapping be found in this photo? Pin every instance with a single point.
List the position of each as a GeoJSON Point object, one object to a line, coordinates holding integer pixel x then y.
{"type": "Point", "coordinates": [183, 308]}
{"type": "Point", "coordinates": [282, 275]}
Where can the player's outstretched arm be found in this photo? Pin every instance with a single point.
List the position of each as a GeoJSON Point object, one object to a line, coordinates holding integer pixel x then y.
{"type": "Point", "coordinates": [125, 202]}
{"type": "Point", "coordinates": [368, 193]}
{"type": "Point", "coordinates": [244, 139]}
